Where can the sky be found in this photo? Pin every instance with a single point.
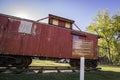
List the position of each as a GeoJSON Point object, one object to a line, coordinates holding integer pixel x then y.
{"type": "Point", "coordinates": [81, 11]}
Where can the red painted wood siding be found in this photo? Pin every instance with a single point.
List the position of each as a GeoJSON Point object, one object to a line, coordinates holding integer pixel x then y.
{"type": "Point", "coordinates": [49, 41]}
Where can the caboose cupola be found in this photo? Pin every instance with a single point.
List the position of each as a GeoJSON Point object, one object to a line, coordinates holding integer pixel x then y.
{"type": "Point", "coordinates": [60, 21]}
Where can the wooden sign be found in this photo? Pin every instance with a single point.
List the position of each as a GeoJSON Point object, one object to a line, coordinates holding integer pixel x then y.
{"type": "Point", "coordinates": [82, 47]}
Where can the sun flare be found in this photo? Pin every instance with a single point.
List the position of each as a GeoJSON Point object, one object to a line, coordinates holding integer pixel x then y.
{"type": "Point", "coordinates": [22, 15]}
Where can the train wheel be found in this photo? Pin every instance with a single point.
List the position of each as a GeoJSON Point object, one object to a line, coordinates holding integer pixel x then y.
{"type": "Point", "coordinates": [87, 64]}
{"type": "Point", "coordinates": [2, 61]}
{"type": "Point", "coordinates": [20, 62]}
{"type": "Point", "coordinates": [29, 61]}
{"type": "Point", "coordinates": [75, 63]}
{"type": "Point", "coordinates": [6, 61]}
{"type": "Point", "coordinates": [94, 63]}
{"type": "Point", "coordinates": [90, 63]}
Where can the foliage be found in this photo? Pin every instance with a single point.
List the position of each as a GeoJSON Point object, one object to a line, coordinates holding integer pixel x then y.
{"type": "Point", "coordinates": [109, 28]}
{"type": "Point", "coordinates": [116, 24]}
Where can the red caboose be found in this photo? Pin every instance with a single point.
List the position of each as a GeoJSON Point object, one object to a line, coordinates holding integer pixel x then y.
{"type": "Point", "coordinates": [21, 39]}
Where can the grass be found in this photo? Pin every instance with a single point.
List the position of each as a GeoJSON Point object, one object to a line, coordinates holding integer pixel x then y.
{"type": "Point", "coordinates": [110, 68]}
{"type": "Point", "coordinates": [46, 76]}
{"type": "Point", "coordinates": [102, 75]}
{"type": "Point", "coordinates": [47, 63]}
{"type": "Point", "coordinates": [107, 73]}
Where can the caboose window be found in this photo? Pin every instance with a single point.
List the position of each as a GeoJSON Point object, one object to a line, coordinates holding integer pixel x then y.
{"type": "Point", "coordinates": [55, 21]}
{"type": "Point", "coordinates": [75, 37]}
{"type": "Point", "coordinates": [25, 27]}
{"type": "Point", "coordinates": [67, 25]}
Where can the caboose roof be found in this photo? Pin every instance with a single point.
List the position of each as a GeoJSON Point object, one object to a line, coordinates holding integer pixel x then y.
{"type": "Point", "coordinates": [60, 18]}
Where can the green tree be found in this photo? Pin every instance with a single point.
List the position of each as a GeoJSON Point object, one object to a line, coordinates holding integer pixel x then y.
{"type": "Point", "coordinates": [116, 24]}
{"type": "Point", "coordinates": [102, 25]}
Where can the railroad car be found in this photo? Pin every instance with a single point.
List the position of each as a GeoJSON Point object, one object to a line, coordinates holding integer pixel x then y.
{"type": "Point", "coordinates": [21, 39]}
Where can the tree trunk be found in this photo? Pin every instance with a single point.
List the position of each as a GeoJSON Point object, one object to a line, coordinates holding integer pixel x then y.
{"type": "Point", "coordinates": [109, 53]}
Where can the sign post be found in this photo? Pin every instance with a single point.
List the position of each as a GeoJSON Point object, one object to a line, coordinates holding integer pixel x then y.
{"type": "Point", "coordinates": [82, 61]}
